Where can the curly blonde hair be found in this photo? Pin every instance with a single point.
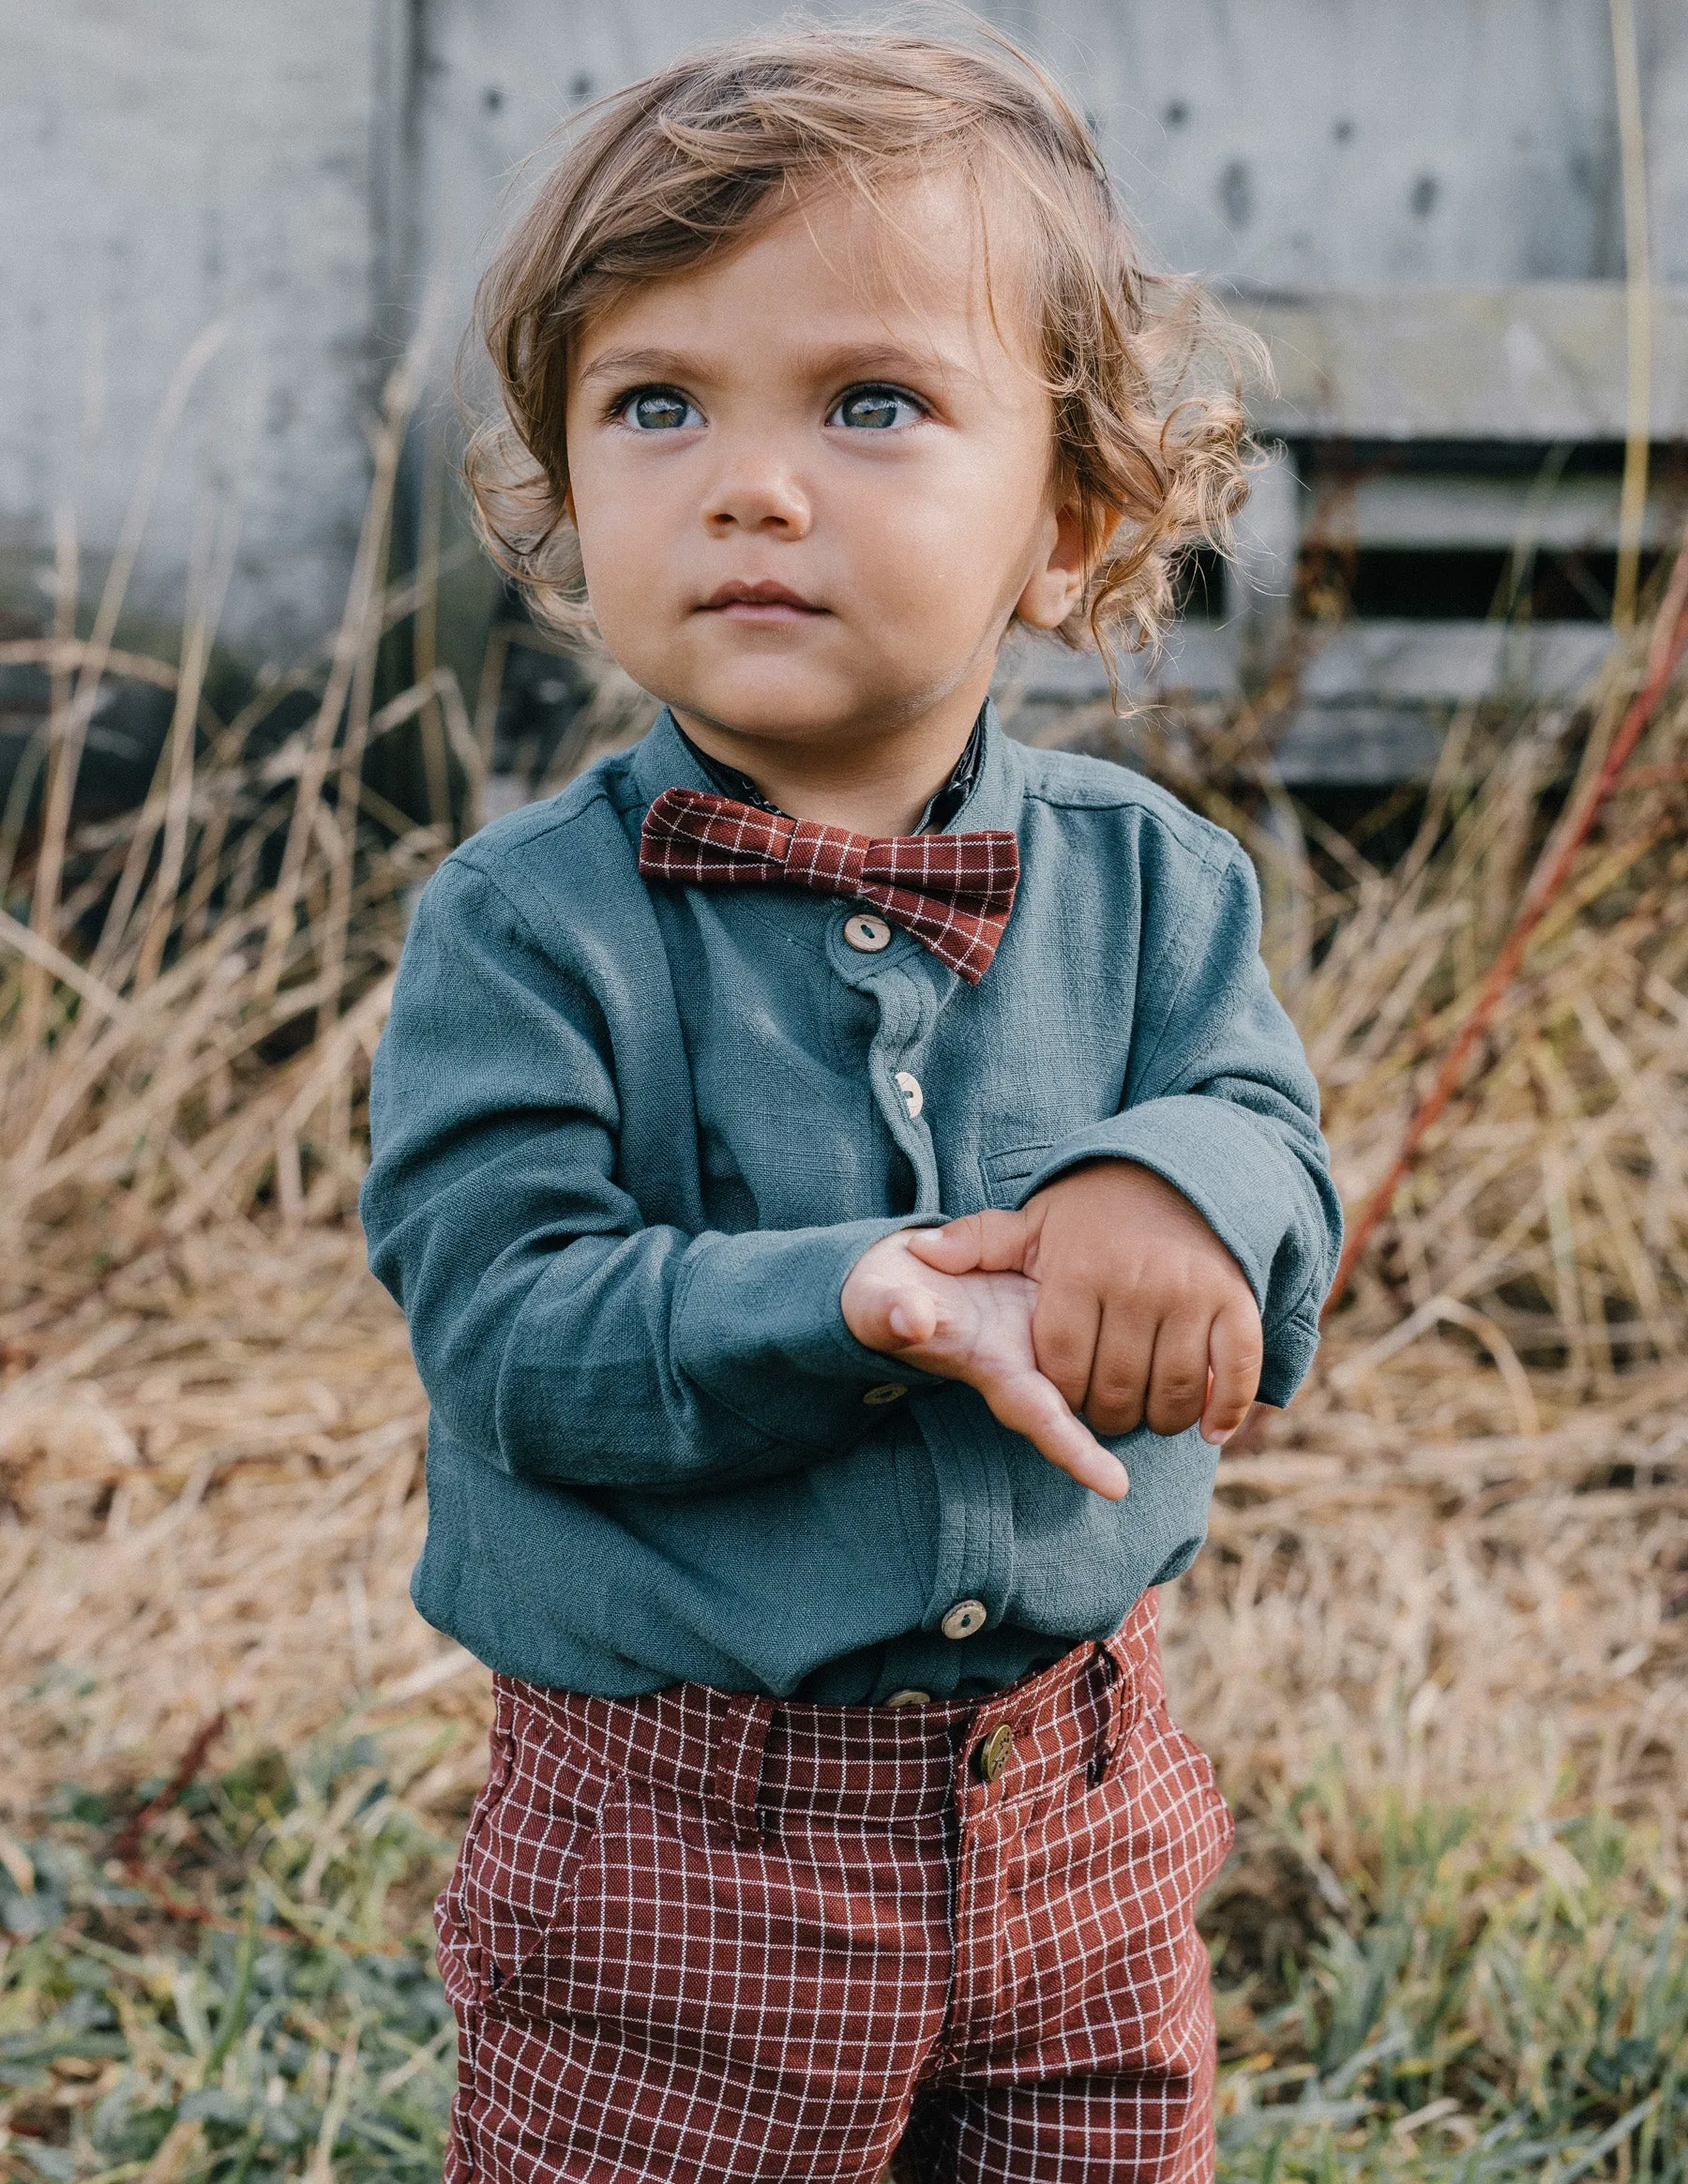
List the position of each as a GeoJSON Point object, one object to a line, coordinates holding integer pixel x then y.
{"type": "Point", "coordinates": [1142, 370]}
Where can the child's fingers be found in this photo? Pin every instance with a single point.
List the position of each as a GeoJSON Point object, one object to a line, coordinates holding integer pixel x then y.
{"type": "Point", "coordinates": [887, 1305]}
{"type": "Point", "coordinates": [1119, 1372]}
{"type": "Point", "coordinates": [988, 1243]}
{"type": "Point", "coordinates": [1234, 1358]}
{"type": "Point", "coordinates": [1066, 1321]}
{"type": "Point", "coordinates": [1178, 1379]}
{"type": "Point", "coordinates": [1030, 1405]}
{"type": "Point", "coordinates": [886, 1299]}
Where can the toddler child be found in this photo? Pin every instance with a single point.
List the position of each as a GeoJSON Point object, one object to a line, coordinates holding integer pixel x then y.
{"type": "Point", "coordinates": [823, 1151]}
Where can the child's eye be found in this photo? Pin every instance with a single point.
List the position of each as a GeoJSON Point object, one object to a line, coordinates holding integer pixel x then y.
{"type": "Point", "coordinates": [658, 408]}
{"type": "Point", "coordinates": [877, 409]}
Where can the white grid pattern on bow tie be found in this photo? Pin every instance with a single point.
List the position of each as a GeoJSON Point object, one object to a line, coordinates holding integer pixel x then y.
{"type": "Point", "coordinates": [952, 892]}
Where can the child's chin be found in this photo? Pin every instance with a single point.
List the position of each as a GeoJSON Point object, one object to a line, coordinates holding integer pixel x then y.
{"type": "Point", "coordinates": [778, 706]}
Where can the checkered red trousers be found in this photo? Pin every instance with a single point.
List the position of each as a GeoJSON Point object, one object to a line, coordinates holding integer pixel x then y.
{"type": "Point", "coordinates": [706, 1937]}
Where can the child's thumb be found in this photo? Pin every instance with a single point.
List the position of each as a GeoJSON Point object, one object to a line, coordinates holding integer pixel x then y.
{"type": "Point", "coordinates": [913, 1318]}
{"type": "Point", "coordinates": [990, 1243]}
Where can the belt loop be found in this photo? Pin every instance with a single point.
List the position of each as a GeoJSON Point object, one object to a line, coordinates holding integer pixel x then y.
{"type": "Point", "coordinates": [1119, 1709]}
{"type": "Point", "coordinates": [736, 1773]}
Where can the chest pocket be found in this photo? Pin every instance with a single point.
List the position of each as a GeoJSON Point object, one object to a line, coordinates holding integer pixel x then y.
{"type": "Point", "coordinates": [1007, 1173]}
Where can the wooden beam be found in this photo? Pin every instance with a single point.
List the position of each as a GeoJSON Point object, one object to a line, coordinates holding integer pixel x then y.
{"type": "Point", "coordinates": [1413, 663]}
{"type": "Point", "coordinates": [1436, 512]}
{"type": "Point", "coordinates": [1533, 361]}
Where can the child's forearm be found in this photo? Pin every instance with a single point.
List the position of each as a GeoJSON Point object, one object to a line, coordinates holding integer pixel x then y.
{"type": "Point", "coordinates": [647, 1359]}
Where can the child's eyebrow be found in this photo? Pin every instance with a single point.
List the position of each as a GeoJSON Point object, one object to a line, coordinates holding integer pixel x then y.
{"type": "Point", "coordinates": [841, 360]}
{"type": "Point", "coordinates": [622, 363]}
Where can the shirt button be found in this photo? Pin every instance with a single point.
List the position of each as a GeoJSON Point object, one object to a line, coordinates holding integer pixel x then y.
{"type": "Point", "coordinates": [913, 1098]}
{"type": "Point", "coordinates": [910, 1698]}
{"type": "Point", "coordinates": [867, 935]}
{"type": "Point", "coordinates": [992, 1756]}
{"type": "Point", "coordinates": [963, 1620]}
{"type": "Point", "coordinates": [888, 1392]}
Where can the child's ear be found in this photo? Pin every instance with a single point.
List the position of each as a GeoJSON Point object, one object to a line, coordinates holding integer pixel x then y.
{"type": "Point", "coordinates": [1057, 583]}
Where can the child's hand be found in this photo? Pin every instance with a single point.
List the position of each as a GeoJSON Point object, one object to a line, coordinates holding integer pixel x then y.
{"type": "Point", "coordinates": [974, 1327]}
{"type": "Point", "coordinates": [1141, 1313]}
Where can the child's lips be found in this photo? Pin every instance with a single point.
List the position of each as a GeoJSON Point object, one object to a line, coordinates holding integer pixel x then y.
{"type": "Point", "coordinates": [761, 602]}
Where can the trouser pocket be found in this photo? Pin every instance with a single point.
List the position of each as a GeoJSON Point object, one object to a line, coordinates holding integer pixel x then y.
{"type": "Point", "coordinates": [528, 1838]}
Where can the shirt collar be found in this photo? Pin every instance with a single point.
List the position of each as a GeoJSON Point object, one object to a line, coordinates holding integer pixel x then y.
{"type": "Point", "coordinates": [943, 804]}
{"type": "Point", "coordinates": [666, 760]}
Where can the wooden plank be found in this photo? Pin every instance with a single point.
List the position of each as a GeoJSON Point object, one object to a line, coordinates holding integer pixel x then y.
{"type": "Point", "coordinates": [1438, 663]}
{"type": "Point", "coordinates": [1536, 361]}
{"type": "Point", "coordinates": [1386, 662]}
{"type": "Point", "coordinates": [1435, 512]}
{"type": "Point", "coordinates": [1359, 745]}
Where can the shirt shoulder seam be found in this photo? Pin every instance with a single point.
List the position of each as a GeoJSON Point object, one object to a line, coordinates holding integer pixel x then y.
{"type": "Point", "coordinates": [1199, 837]}
{"type": "Point", "coordinates": [464, 864]}
{"type": "Point", "coordinates": [472, 854]}
{"type": "Point", "coordinates": [470, 859]}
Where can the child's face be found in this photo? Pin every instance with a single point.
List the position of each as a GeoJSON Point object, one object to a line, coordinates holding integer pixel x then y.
{"type": "Point", "coordinates": [812, 484]}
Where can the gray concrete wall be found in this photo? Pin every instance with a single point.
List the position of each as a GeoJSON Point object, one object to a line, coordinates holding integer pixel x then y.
{"type": "Point", "coordinates": [168, 165]}
{"type": "Point", "coordinates": [1311, 144]}
{"type": "Point", "coordinates": [1421, 194]}
{"type": "Point", "coordinates": [1291, 148]}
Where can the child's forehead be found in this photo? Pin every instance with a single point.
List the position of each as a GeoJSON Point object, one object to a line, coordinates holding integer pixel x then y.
{"type": "Point", "coordinates": [929, 261]}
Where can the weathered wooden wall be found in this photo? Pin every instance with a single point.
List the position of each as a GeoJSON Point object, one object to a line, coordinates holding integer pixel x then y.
{"type": "Point", "coordinates": [1423, 197]}
{"type": "Point", "coordinates": [1418, 200]}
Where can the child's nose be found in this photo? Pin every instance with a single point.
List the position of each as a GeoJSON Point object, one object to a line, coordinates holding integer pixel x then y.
{"type": "Point", "coordinates": [757, 494]}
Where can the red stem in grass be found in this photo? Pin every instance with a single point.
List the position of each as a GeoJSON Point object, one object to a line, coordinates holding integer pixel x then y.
{"type": "Point", "coordinates": [128, 1848]}
{"type": "Point", "coordinates": [168, 1905]}
{"type": "Point", "coordinates": [164, 1899]}
{"type": "Point", "coordinates": [1670, 639]}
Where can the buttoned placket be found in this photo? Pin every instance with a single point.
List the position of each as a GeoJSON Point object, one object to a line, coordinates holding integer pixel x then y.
{"type": "Point", "coordinates": [908, 990]}
{"type": "Point", "coordinates": [909, 997]}
{"type": "Point", "coordinates": [973, 1557]}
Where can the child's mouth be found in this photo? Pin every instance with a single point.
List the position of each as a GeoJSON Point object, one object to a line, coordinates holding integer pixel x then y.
{"type": "Point", "coordinates": [761, 602]}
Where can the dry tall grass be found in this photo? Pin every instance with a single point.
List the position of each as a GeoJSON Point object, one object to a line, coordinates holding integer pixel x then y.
{"type": "Point", "coordinates": [1460, 1565]}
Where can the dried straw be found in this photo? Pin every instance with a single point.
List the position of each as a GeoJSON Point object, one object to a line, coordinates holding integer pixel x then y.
{"type": "Point", "coordinates": [1459, 1563]}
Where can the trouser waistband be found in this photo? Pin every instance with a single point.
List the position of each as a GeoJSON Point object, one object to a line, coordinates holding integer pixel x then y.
{"type": "Point", "coordinates": [746, 1755]}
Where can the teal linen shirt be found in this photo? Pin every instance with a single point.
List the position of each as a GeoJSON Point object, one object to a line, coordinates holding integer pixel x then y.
{"type": "Point", "coordinates": [628, 1140]}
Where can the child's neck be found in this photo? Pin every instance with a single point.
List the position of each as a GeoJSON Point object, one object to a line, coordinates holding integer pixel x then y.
{"type": "Point", "coordinates": [873, 786]}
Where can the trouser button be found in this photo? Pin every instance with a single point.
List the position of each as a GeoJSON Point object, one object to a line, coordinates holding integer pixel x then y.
{"type": "Point", "coordinates": [992, 1756]}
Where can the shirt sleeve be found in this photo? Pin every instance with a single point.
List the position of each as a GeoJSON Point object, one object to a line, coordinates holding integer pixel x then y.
{"type": "Point", "coordinates": [555, 1330]}
{"type": "Point", "coordinates": [1220, 1103]}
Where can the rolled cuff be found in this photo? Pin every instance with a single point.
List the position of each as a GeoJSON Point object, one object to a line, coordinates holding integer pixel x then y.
{"type": "Point", "coordinates": [759, 1327]}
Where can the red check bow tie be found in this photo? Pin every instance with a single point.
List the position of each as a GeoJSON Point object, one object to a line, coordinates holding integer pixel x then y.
{"type": "Point", "coordinates": [952, 892]}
